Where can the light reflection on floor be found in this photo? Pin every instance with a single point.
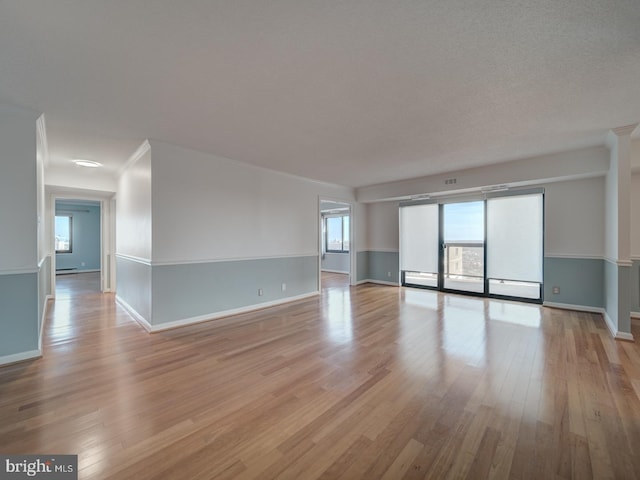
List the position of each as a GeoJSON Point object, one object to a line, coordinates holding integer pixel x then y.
{"type": "Point", "coordinates": [463, 327]}
{"type": "Point", "coordinates": [338, 314]}
{"type": "Point", "coordinates": [422, 298]}
{"type": "Point", "coordinates": [517, 313]}
{"type": "Point", "coordinates": [78, 296]}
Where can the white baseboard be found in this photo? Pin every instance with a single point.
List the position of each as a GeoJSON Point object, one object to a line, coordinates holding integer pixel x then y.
{"type": "Point", "coordinates": [635, 315]}
{"type": "Point", "coordinates": [228, 313]}
{"type": "Point", "coordinates": [379, 282]}
{"type": "Point", "coordinates": [334, 271]}
{"type": "Point", "coordinates": [577, 308]}
{"type": "Point", "coordinates": [20, 357]}
{"type": "Point", "coordinates": [45, 310]}
{"type": "Point", "coordinates": [134, 314]}
{"type": "Point", "coordinates": [607, 319]}
{"type": "Point", "coordinates": [207, 317]}
{"type": "Point", "coordinates": [618, 335]}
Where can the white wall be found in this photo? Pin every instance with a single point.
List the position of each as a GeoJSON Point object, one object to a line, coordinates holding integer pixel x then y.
{"type": "Point", "coordinates": [574, 218]}
{"type": "Point", "coordinates": [361, 221]}
{"type": "Point", "coordinates": [18, 189]}
{"type": "Point", "coordinates": [211, 208]}
{"type": "Point", "coordinates": [383, 226]}
{"type": "Point", "coordinates": [133, 208]}
{"type": "Point", "coordinates": [77, 177]}
{"type": "Point", "coordinates": [635, 155]}
{"type": "Point", "coordinates": [618, 196]}
{"type": "Point", "coordinates": [635, 216]}
{"type": "Point", "coordinates": [41, 156]}
{"type": "Point", "coordinates": [635, 199]}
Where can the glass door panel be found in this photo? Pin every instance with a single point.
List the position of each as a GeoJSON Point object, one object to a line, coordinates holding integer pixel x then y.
{"type": "Point", "coordinates": [463, 247]}
{"type": "Point", "coordinates": [515, 244]}
{"type": "Point", "coordinates": [419, 245]}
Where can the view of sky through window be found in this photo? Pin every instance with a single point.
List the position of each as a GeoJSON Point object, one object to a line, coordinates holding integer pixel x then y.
{"type": "Point", "coordinates": [464, 222]}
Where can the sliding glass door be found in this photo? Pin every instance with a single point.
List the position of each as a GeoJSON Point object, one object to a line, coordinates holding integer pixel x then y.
{"type": "Point", "coordinates": [514, 246]}
{"type": "Point", "coordinates": [491, 247]}
{"type": "Point", "coordinates": [419, 241]}
{"type": "Point", "coordinates": [463, 246]}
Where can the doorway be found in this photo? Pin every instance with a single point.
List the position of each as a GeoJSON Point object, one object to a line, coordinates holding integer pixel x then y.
{"type": "Point", "coordinates": [491, 246]}
{"type": "Point", "coordinates": [77, 233]}
{"type": "Point", "coordinates": [336, 240]}
{"type": "Point", "coordinates": [88, 244]}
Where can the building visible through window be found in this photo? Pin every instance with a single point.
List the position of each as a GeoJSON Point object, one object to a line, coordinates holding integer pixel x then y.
{"type": "Point", "coordinates": [337, 233]}
{"type": "Point", "coordinates": [63, 233]}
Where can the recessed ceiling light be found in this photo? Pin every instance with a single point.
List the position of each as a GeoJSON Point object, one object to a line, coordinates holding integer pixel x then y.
{"type": "Point", "coordinates": [87, 163]}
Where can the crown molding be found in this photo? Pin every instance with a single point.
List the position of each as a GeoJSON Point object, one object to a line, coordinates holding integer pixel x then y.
{"type": "Point", "coordinates": [626, 130]}
{"type": "Point", "coordinates": [41, 128]}
{"type": "Point", "coordinates": [142, 149]}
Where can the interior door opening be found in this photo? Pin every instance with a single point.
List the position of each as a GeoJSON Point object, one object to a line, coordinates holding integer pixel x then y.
{"type": "Point", "coordinates": [336, 244]}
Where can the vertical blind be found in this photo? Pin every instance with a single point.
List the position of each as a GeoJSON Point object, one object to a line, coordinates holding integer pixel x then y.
{"type": "Point", "coordinates": [514, 238]}
{"type": "Point", "coordinates": [419, 238]}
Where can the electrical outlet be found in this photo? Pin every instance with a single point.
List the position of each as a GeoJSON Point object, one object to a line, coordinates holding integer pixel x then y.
{"type": "Point", "coordinates": [555, 290]}
{"type": "Point", "coordinates": [82, 264]}
{"type": "Point", "coordinates": [284, 287]}
{"type": "Point", "coordinates": [260, 292]}
{"type": "Point", "coordinates": [388, 274]}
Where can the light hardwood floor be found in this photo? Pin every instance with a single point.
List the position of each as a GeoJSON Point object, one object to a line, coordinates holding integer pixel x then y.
{"type": "Point", "coordinates": [361, 382]}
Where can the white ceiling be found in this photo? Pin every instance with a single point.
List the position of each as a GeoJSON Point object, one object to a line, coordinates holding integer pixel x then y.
{"type": "Point", "coordinates": [354, 92]}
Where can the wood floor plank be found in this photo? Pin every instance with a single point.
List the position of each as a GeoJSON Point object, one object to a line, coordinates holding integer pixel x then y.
{"type": "Point", "coordinates": [360, 382]}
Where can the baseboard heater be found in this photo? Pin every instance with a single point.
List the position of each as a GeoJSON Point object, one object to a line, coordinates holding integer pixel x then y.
{"type": "Point", "coordinates": [65, 271]}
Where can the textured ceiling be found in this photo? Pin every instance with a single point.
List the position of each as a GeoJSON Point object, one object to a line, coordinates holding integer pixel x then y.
{"type": "Point", "coordinates": [350, 92]}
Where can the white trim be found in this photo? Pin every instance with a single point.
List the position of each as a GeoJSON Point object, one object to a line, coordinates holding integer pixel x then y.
{"type": "Point", "coordinates": [335, 271]}
{"type": "Point", "coordinates": [577, 257]}
{"type": "Point", "coordinates": [635, 315]}
{"type": "Point", "coordinates": [618, 262]}
{"type": "Point", "coordinates": [144, 261]}
{"type": "Point", "coordinates": [607, 319]}
{"type": "Point", "coordinates": [613, 330]}
{"type": "Point", "coordinates": [218, 260]}
{"type": "Point", "coordinates": [378, 282]}
{"type": "Point", "coordinates": [45, 310]}
{"type": "Point", "coordinates": [577, 308]}
{"type": "Point", "coordinates": [383, 250]}
{"type": "Point", "coordinates": [41, 128]}
{"type": "Point", "coordinates": [134, 314]}
{"type": "Point", "coordinates": [635, 258]}
{"type": "Point", "coordinates": [140, 151]}
{"type": "Point", "coordinates": [226, 313]}
{"type": "Point", "coordinates": [148, 262]}
{"type": "Point", "coordinates": [44, 259]}
{"type": "Point", "coordinates": [19, 271]}
{"type": "Point", "coordinates": [20, 357]}
{"type": "Point", "coordinates": [624, 336]}
{"type": "Point", "coordinates": [625, 130]}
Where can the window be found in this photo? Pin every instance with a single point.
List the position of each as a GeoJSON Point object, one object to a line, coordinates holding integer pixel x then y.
{"type": "Point", "coordinates": [63, 233]}
{"type": "Point", "coordinates": [337, 233]}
